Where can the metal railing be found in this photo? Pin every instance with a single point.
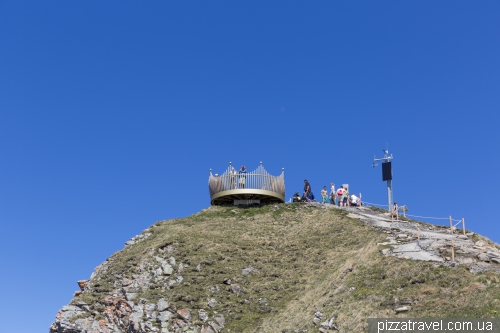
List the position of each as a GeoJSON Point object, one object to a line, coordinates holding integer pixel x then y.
{"type": "Point", "coordinates": [259, 179]}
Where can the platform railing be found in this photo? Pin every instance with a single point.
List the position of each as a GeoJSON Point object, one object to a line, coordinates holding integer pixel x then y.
{"type": "Point", "coordinates": [259, 179]}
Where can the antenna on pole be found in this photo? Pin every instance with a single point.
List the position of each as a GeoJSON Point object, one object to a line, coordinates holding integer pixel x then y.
{"type": "Point", "coordinates": [386, 173]}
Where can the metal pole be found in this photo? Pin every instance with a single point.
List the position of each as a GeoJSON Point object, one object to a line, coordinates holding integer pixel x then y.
{"type": "Point", "coordinates": [389, 195]}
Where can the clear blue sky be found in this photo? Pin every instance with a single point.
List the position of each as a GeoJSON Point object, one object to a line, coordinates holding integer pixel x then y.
{"type": "Point", "coordinates": [112, 113]}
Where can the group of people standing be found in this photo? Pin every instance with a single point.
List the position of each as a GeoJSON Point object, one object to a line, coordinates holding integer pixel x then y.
{"type": "Point", "coordinates": [240, 177]}
{"type": "Point", "coordinates": [339, 197]}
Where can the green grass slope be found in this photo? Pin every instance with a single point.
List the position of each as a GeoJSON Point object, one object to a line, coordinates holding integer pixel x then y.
{"type": "Point", "coordinates": [307, 259]}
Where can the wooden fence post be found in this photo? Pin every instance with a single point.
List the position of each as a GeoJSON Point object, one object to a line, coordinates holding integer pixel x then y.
{"type": "Point", "coordinates": [451, 226]}
{"type": "Point", "coordinates": [452, 250]}
{"type": "Point", "coordinates": [463, 225]}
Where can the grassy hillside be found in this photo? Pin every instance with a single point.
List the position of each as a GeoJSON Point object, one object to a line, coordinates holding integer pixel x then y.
{"type": "Point", "coordinates": [306, 259]}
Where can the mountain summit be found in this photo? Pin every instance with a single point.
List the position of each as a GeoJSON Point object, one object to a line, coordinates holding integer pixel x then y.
{"type": "Point", "coordinates": [285, 268]}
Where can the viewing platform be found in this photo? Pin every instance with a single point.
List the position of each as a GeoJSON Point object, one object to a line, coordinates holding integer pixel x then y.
{"type": "Point", "coordinates": [250, 188]}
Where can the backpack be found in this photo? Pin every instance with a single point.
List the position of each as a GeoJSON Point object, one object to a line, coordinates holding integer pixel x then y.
{"type": "Point", "coordinates": [339, 192]}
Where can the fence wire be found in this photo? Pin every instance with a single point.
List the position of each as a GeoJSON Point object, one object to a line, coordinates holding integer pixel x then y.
{"type": "Point", "coordinates": [422, 217]}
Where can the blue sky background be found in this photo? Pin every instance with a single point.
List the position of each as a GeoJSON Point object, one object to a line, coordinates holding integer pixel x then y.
{"type": "Point", "coordinates": [112, 113]}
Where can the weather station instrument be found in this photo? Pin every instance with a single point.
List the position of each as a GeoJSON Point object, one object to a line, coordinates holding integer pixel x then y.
{"type": "Point", "coordinates": [386, 174]}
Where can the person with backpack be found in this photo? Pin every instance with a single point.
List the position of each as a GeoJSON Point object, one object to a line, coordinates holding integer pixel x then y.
{"type": "Point", "coordinates": [340, 194]}
{"type": "Point", "coordinates": [308, 195]}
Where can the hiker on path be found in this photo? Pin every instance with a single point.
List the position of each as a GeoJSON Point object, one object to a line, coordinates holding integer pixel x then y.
{"type": "Point", "coordinates": [332, 193]}
{"type": "Point", "coordinates": [324, 194]}
{"type": "Point", "coordinates": [340, 193]}
{"type": "Point", "coordinates": [395, 210]}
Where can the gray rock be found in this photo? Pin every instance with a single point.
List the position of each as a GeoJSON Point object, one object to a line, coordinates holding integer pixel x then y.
{"type": "Point", "coordinates": [220, 320]}
{"type": "Point", "coordinates": [496, 260]}
{"type": "Point", "coordinates": [136, 316]}
{"type": "Point", "coordinates": [465, 260]}
{"type": "Point", "coordinates": [215, 326]}
{"type": "Point", "coordinates": [130, 296]}
{"type": "Point", "coordinates": [318, 314]}
{"type": "Point", "coordinates": [69, 311]}
{"type": "Point", "coordinates": [331, 323]}
{"type": "Point", "coordinates": [150, 307]}
{"type": "Point", "coordinates": [167, 269]}
{"type": "Point", "coordinates": [83, 306]}
{"type": "Point", "coordinates": [493, 254]}
{"type": "Point", "coordinates": [248, 270]}
{"type": "Point", "coordinates": [402, 309]}
{"type": "Point", "coordinates": [150, 326]}
{"type": "Point", "coordinates": [214, 289]}
{"type": "Point", "coordinates": [206, 330]}
{"type": "Point", "coordinates": [164, 316]}
{"type": "Point", "coordinates": [236, 289]}
{"type": "Point", "coordinates": [203, 315]}
{"type": "Point", "coordinates": [162, 304]}
{"type": "Point", "coordinates": [483, 257]}
{"type": "Point", "coordinates": [212, 302]}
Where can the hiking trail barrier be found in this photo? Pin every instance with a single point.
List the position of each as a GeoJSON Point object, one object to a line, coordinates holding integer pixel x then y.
{"type": "Point", "coordinates": [452, 226]}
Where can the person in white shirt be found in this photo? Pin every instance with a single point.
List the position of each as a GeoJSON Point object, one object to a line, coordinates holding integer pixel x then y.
{"type": "Point", "coordinates": [354, 200]}
{"type": "Point", "coordinates": [332, 193]}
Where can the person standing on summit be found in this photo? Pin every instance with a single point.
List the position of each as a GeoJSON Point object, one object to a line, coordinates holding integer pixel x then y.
{"type": "Point", "coordinates": [324, 194]}
{"type": "Point", "coordinates": [332, 193]}
{"type": "Point", "coordinates": [307, 188]}
{"type": "Point", "coordinates": [242, 173]}
{"type": "Point", "coordinates": [340, 195]}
